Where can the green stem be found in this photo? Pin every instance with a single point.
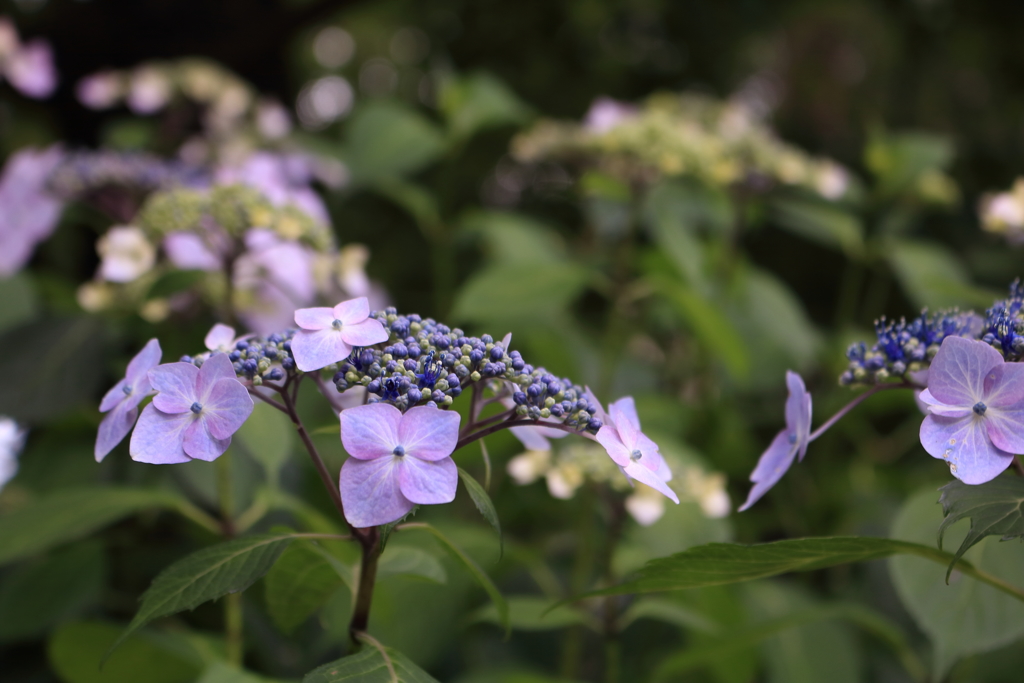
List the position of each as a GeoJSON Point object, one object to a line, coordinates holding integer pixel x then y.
{"type": "Point", "coordinates": [370, 543]}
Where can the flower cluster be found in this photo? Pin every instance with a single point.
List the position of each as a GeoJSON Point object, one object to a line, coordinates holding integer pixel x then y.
{"type": "Point", "coordinates": [27, 66]}
{"type": "Point", "coordinates": [719, 143]}
{"type": "Point", "coordinates": [1004, 324]}
{"type": "Point", "coordinates": [1002, 213]}
{"type": "Point", "coordinates": [83, 173]}
{"type": "Point", "coordinates": [30, 213]}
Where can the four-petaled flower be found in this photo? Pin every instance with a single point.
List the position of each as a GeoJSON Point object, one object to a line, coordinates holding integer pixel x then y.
{"type": "Point", "coordinates": [329, 334]}
{"type": "Point", "coordinates": [629, 448]}
{"type": "Point", "coordinates": [122, 401]}
{"type": "Point", "coordinates": [397, 461]}
{"type": "Point", "coordinates": [787, 444]}
{"type": "Point", "coordinates": [976, 405]}
{"type": "Point", "coordinates": [194, 413]}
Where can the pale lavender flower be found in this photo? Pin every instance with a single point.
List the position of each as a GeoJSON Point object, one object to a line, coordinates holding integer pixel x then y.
{"type": "Point", "coordinates": [280, 274]}
{"type": "Point", "coordinates": [122, 401]}
{"type": "Point", "coordinates": [629, 448]}
{"type": "Point", "coordinates": [30, 69]}
{"type": "Point", "coordinates": [787, 444]}
{"type": "Point", "coordinates": [100, 90]}
{"type": "Point", "coordinates": [281, 179]}
{"type": "Point", "coordinates": [976, 405]}
{"type": "Point", "coordinates": [28, 214]}
{"type": "Point", "coordinates": [329, 334]}
{"type": "Point", "coordinates": [397, 461]}
{"type": "Point", "coordinates": [221, 337]}
{"type": "Point", "coordinates": [149, 89]}
{"type": "Point", "coordinates": [189, 251]}
{"type": "Point", "coordinates": [12, 438]}
{"type": "Point", "coordinates": [194, 413]}
{"type": "Point", "coordinates": [606, 113]}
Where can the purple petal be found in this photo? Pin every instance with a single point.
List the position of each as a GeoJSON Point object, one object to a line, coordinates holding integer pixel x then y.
{"type": "Point", "coordinates": [216, 368]}
{"type": "Point", "coordinates": [629, 433]}
{"type": "Point", "coordinates": [365, 333]}
{"type": "Point", "coordinates": [429, 433]}
{"type": "Point", "coordinates": [176, 386]}
{"type": "Point", "coordinates": [935, 407]}
{"type": "Point", "coordinates": [158, 437]}
{"type": "Point", "coordinates": [530, 437]}
{"type": "Point", "coordinates": [227, 408]}
{"type": "Point", "coordinates": [114, 397]}
{"type": "Point", "coordinates": [315, 350]}
{"type": "Point", "coordinates": [370, 492]}
{"type": "Point", "coordinates": [188, 251]}
{"type": "Point", "coordinates": [773, 463]}
{"type": "Point", "coordinates": [1005, 428]}
{"type": "Point", "coordinates": [594, 403]}
{"type": "Point", "coordinates": [30, 69]}
{"type": "Point", "coordinates": [353, 311]}
{"type": "Point", "coordinates": [956, 376]}
{"type": "Point", "coordinates": [114, 427]}
{"type": "Point", "coordinates": [645, 476]}
{"type": "Point", "coordinates": [144, 361]}
{"type": "Point", "coordinates": [220, 338]}
{"type": "Point", "coordinates": [314, 318]}
{"type": "Point", "coordinates": [200, 444]}
{"type": "Point", "coordinates": [428, 482]}
{"type": "Point", "coordinates": [626, 406]}
{"type": "Point", "coordinates": [963, 443]}
{"type": "Point", "coordinates": [608, 436]}
{"type": "Point", "coordinates": [798, 410]}
{"type": "Point", "coordinates": [370, 431]}
{"type": "Point", "coordinates": [1004, 386]}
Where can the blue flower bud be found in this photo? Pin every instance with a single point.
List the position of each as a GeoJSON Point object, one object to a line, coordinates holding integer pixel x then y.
{"type": "Point", "coordinates": [534, 390]}
{"type": "Point", "coordinates": [242, 345]}
{"type": "Point", "coordinates": [487, 339]}
{"type": "Point", "coordinates": [274, 374]}
{"type": "Point", "coordinates": [594, 425]}
{"type": "Point", "coordinates": [518, 364]}
{"type": "Point", "coordinates": [373, 387]}
{"type": "Point", "coordinates": [414, 350]}
{"type": "Point", "coordinates": [497, 353]}
{"type": "Point", "coordinates": [556, 410]}
{"type": "Point", "coordinates": [519, 398]}
{"type": "Point", "coordinates": [414, 395]}
{"type": "Point", "coordinates": [453, 380]}
{"type": "Point", "coordinates": [437, 396]}
{"type": "Point", "coordinates": [288, 363]}
{"type": "Point", "coordinates": [234, 355]}
{"type": "Point", "coordinates": [476, 355]}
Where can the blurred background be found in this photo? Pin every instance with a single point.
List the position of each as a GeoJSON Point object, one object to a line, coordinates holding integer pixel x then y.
{"type": "Point", "coordinates": [673, 200]}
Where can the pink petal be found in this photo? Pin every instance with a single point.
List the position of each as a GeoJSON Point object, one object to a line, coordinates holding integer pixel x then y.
{"type": "Point", "coordinates": [365, 333]}
{"type": "Point", "coordinates": [626, 407]}
{"type": "Point", "coordinates": [314, 318]}
{"type": "Point", "coordinates": [935, 407]}
{"type": "Point", "coordinates": [428, 482]}
{"type": "Point", "coordinates": [176, 386]}
{"type": "Point", "coordinates": [629, 433]}
{"type": "Point", "coordinates": [215, 368]}
{"type": "Point", "coordinates": [227, 408]}
{"type": "Point", "coordinates": [963, 443]}
{"type": "Point", "coordinates": [370, 431]}
{"type": "Point", "coordinates": [158, 437]}
{"type": "Point", "coordinates": [1005, 386]}
{"type": "Point", "coordinates": [315, 350]}
{"type": "Point", "coordinates": [1005, 428]}
{"type": "Point", "coordinates": [353, 311]}
{"type": "Point", "coordinates": [772, 464]}
{"type": "Point", "coordinates": [114, 427]}
{"type": "Point", "coordinates": [645, 476]}
{"type": "Point", "coordinates": [144, 361]}
{"type": "Point", "coordinates": [608, 436]}
{"type": "Point", "coordinates": [220, 338]}
{"type": "Point", "coordinates": [956, 376]}
{"type": "Point", "coordinates": [429, 433]}
{"type": "Point", "coordinates": [370, 492]}
{"type": "Point", "coordinates": [200, 444]}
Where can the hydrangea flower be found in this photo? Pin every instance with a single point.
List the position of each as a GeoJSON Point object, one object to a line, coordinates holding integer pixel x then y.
{"type": "Point", "coordinates": [122, 401]}
{"type": "Point", "coordinates": [126, 254]}
{"type": "Point", "coordinates": [29, 213]}
{"type": "Point", "coordinates": [787, 444]}
{"type": "Point", "coordinates": [329, 334]}
{"type": "Point", "coordinates": [397, 461]}
{"type": "Point", "coordinates": [976, 405]}
{"type": "Point", "coordinates": [221, 337]}
{"type": "Point", "coordinates": [628, 447]}
{"type": "Point", "coordinates": [30, 69]}
{"type": "Point", "coordinates": [12, 438]}
{"type": "Point", "coordinates": [194, 413]}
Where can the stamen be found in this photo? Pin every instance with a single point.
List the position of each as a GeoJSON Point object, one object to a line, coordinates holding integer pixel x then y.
{"type": "Point", "coordinates": [127, 389]}
{"type": "Point", "coordinates": [196, 407]}
{"type": "Point", "coordinates": [399, 451]}
{"type": "Point", "coordinates": [635, 455]}
{"type": "Point", "coordinates": [336, 324]}
{"type": "Point", "coordinates": [979, 408]}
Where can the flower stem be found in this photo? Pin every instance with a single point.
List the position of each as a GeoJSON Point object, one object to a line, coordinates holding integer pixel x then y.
{"type": "Point", "coordinates": [510, 421]}
{"type": "Point", "coordinates": [853, 404]}
{"type": "Point", "coordinates": [233, 636]}
{"type": "Point", "coordinates": [370, 543]}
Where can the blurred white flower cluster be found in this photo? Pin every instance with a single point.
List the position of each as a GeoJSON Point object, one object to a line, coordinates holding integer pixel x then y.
{"type": "Point", "coordinates": [1002, 213]}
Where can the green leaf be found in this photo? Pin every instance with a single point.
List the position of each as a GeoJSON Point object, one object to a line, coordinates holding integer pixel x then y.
{"type": "Point", "coordinates": [416, 201]}
{"type": "Point", "coordinates": [669, 613]}
{"type": "Point", "coordinates": [40, 593]}
{"type": "Point", "coordinates": [722, 563]}
{"type": "Point", "coordinates": [369, 666]}
{"type": "Point", "coordinates": [530, 613]}
{"type": "Point", "coordinates": [50, 366]}
{"type": "Point", "coordinates": [386, 139]}
{"type": "Point", "coordinates": [474, 569]}
{"type": "Point", "coordinates": [479, 101]}
{"type": "Point", "coordinates": [76, 651]}
{"type": "Point", "coordinates": [268, 437]}
{"type": "Point", "coordinates": [507, 293]}
{"type": "Point", "coordinates": [899, 159]}
{"type": "Point", "coordinates": [515, 238]}
{"type": "Point", "coordinates": [932, 276]}
{"type": "Point", "coordinates": [70, 514]}
{"type": "Point", "coordinates": [823, 223]}
{"type": "Point", "coordinates": [963, 617]}
{"type": "Point", "coordinates": [175, 281]}
{"type": "Point", "coordinates": [300, 582]}
{"type": "Point", "coordinates": [386, 529]}
{"type": "Point", "coordinates": [207, 575]}
{"type": "Point", "coordinates": [994, 508]}
{"type": "Point", "coordinates": [20, 300]}
{"type": "Point", "coordinates": [483, 503]}
{"type": "Point", "coordinates": [407, 561]}
{"type": "Point", "coordinates": [221, 672]}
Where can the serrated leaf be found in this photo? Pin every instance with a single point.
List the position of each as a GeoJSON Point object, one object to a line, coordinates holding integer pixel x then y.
{"type": "Point", "coordinates": [66, 515]}
{"type": "Point", "coordinates": [483, 503]}
{"type": "Point", "coordinates": [369, 666]}
{"type": "Point", "coordinates": [995, 508]}
{"type": "Point", "coordinates": [406, 561]}
{"type": "Point", "coordinates": [530, 613]}
{"type": "Point", "coordinates": [474, 569]}
{"type": "Point", "coordinates": [300, 582]}
{"type": "Point", "coordinates": [207, 575]}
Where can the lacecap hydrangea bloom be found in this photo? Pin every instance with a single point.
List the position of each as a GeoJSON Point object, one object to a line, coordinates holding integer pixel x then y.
{"type": "Point", "coordinates": [121, 403]}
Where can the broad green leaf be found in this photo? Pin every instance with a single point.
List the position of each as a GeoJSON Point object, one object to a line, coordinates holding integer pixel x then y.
{"type": "Point", "coordinates": [267, 436]}
{"type": "Point", "coordinates": [667, 612]}
{"type": "Point", "coordinates": [474, 569]}
{"type": "Point", "coordinates": [70, 514]}
{"type": "Point", "coordinates": [221, 672]}
{"type": "Point", "coordinates": [504, 293]}
{"type": "Point", "coordinates": [530, 613]}
{"type": "Point", "coordinates": [478, 101]}
{"type": "Point", "coordinates": [207, 575]}
{"type": "Point", "coordinates": [965, 616]}
{"type": "Point", "coordinates": [416, 201]}
{"type": "Point", "coordinates": [408, 561]}
{"type": "Point", "coordinates": [50, 366]}
{"type": "Point", "coordinates": [994, 508]}
{"type": "Point", "coordinates": [515, 238]}
{"type": "Point", "coordinates": [899, 159]}
{"type": "Point", "coordinates": [300, 582]}
{"type": "Point", "coordinates": [823, 223]}
{"type": "Point", "coordinates": [370, 666]}
{"type": "Point", "coordinates": [721, 563]}
{"type": "Point", "coordinates": [19, 298]}
{"type": "Point", "coordinates": [483, 503]}
{"type": "Point", "coordinates": [42, 592]}
{"type": "Point", "coordinates": [76, 652]}
{"type": "Point", "coordinates": [385, 139]}
{"type": "Point", "coordinates": [932, 276]}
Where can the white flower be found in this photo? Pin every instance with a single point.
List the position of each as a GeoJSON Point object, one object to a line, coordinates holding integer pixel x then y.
{"type": "Point", "coordinates": [530, 466]}
{"type": "Point", "coordinates": [126, 254]}
{"type": "Point", "coordinates": [12, 438]}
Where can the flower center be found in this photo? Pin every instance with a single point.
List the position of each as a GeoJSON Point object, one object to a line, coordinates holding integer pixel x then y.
{"type": "Point", "coordinates": [792, 438]}
{"type": "Point", "coordinates": [635, 455]}
{"type": "Point", "coordinates": [399, 451]}
{"type": "Point", "coordinates": [337, 324]}
{"type": "Point", "coordinates": [980, 408]}
{"type": "Point", "coordinates": [127, 389]}
{"type": "Point", "coordinates": [196, 407]}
